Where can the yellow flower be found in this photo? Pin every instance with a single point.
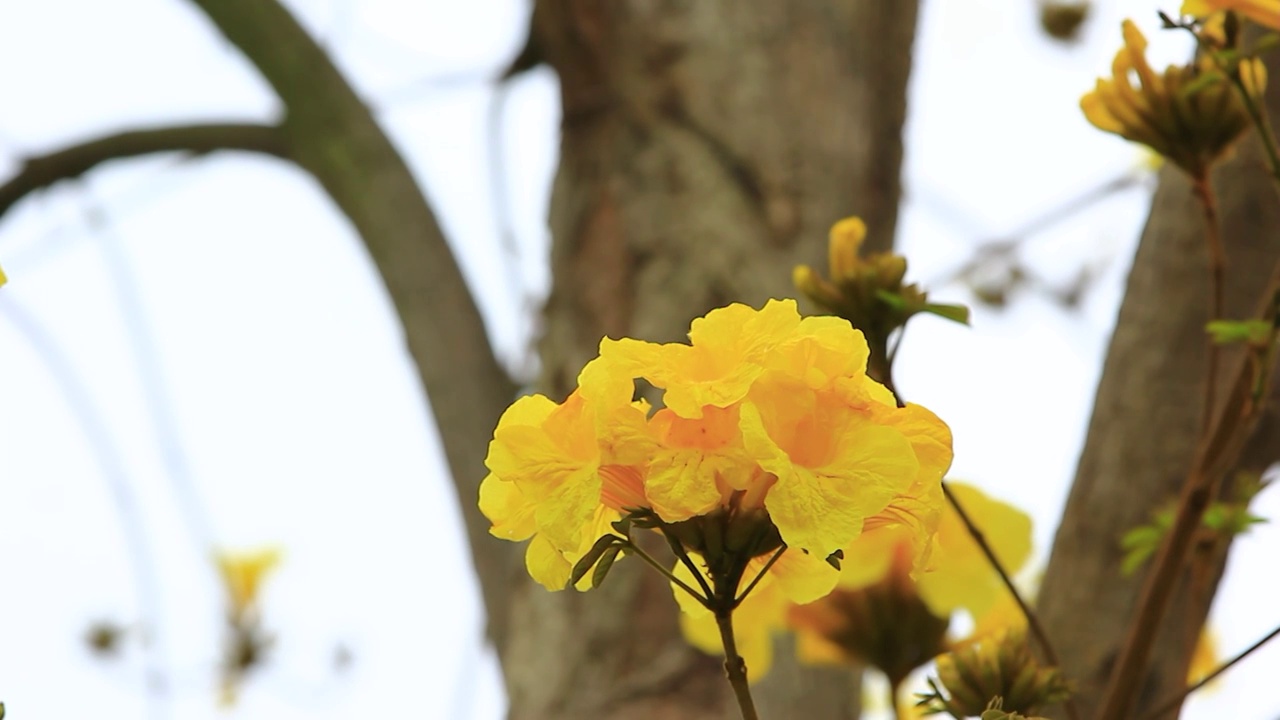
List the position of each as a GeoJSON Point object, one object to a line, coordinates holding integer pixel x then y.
{"type": "Point", "coordinates": [959, 575]}
{"type": "Point", "coordinates": [906, 573]}
{"type": "Point", "coordinates": [1205, 659]}
{"type": "Point", "coordinates": [1185, 114]}
{"type": "Point", "coordinates": [3, 279]}
{"type": "Point", "coordinates": [243, 573]}
{"type": "Point", "coordinates": [560, 473]}
{"type": "Point", "coordinates": [790, 419]}
{"type": "Point", "coordinates": [1263, 12]}
{"type": "Point", "coordinates": [770, 433]}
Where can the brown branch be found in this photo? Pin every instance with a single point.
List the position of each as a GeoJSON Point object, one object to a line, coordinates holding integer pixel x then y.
{"type": "Point", "coordinates": [1178, 699]}
{"type": "Point", "coordinates": [1042, 638]}
{"type": "Point", "coordinates": [1216, 454]}
{"type": "Point", "coordinates": [74, 161]}
{"type": "Point", "coordinates": [334, 136]}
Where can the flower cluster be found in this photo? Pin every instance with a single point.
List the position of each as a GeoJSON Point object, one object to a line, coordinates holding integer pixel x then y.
{"type": "Point", "coordinates": [1263, 12]}
{"type": "Point", "coordinates": [1190, 114]}
{"type": "Point", "coordinates": [769, 431]}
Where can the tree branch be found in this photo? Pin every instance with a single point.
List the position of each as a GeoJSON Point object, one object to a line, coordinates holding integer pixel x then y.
{"type": "Point", "coordinates": [333, 135]}
{"type": "Point", "coordinates": [71, 162]}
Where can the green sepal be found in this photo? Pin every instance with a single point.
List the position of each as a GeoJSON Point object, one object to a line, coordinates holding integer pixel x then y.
{"type": "Point", "coordinates": [954, 313]}
{"type": "Point", "coordinates": [593, 555]}
{"type": "Point", "coordinates": [605, 564]}
{"type": "Point", "coordinates": [834, 559]}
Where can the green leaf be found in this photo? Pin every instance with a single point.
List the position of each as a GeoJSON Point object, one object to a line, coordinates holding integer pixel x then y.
{"type": "Point", "coordinates": [1253, 332]}
{"type": "Point", "coordinates": [593, 555]}
{"type": "Point", "coordinates": [954, 313]}
{"type": "Point", "coordinates": [893, 300]}
{"type": "Point", "coordinates": [623, 526]}
{"type": "Point", "coordinates": [605, 564]}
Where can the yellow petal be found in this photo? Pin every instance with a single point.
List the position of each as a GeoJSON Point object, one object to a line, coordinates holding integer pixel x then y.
{"type": "Point", "coordinates": [827, 486]}
{"type": "Point", "coordinates": [800, 577]}
{"type": "Point", "coordinates": [960, 575]}
{"type": "Point", "coordinates": [546, 564]}
{"type": "Point", "coordinates": [507, 508]}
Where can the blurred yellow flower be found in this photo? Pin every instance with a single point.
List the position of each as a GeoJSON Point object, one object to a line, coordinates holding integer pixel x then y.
{"type": "Point", "coordinates": [246, 643]}
{"type": "Point", "coordinates": [1189, 114]}
{"type": "Point", "coordinates": [1263, 12]}
{"type": "Point", "coordinates": [1205, 659]}
{"type": "Point", "coordinates": [242, 575]}
{"type": "Point", "coordinates": [895, 596]}
{"type": "Point", "coordinates": [3, 279]}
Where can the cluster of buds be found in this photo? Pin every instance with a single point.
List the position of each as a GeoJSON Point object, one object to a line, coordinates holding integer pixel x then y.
{"type": "Point", "coordinates": [1190, 114]}
{"type": "Point", "coordinates": [868, 291]}
{"type": "Point", "coordinates": [999, 666]}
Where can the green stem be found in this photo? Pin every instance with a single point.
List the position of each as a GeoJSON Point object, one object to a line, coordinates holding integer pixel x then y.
{"type": "Point", "coordinates": [738, 600]}
{"type": "Point", "coordinates": [668, 574]}
{"type": "Point", "coordinates": [677, 549]}
{"type": "Point", "coordinates": [735, 666]}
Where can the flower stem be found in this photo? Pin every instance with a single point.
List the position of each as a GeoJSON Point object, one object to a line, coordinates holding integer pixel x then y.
{"type": "Point", "coordinates": [1216, 452]}
{"type": "Point", "coordinates": [738, 600]}
{"type": "Point", "coordinates": [667, 573]}
{"type": "Point", "coordinates": [735, 666]}
{"type": "Point", "coordinates": [1033, 622]}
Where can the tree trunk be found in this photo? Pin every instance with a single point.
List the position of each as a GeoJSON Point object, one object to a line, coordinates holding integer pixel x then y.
{"type": "Point", "coordinates": [1145, 423]}
{"type": "Point", "coordinates": [706, 149]}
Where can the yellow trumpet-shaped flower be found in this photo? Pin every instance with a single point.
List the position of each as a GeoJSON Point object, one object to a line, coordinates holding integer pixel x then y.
{"type": "Point", "coordinates": [246, 643]}
{"type": "Point", "coordinates": [243, 574]}
{"type": "Point", "coordinates": [1190, 114]}
{"type": "Point", "coordinates": [899, 584]}
{"type": "Point", "coordinates": [1263, 12]}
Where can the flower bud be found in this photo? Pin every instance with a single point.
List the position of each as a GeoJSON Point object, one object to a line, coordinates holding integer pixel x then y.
{"type": "Point", "coordinates": [1000, 666]}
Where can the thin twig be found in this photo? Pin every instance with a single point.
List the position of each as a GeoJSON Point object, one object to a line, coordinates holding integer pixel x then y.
{"type": "Point", "coordinates": [677, 549]}
{"type": "Point", "coordinates": [1178, 699]}
{"type": "Point", "coordinates": [1033, 622]}
{"type": "Point", "coordinates": [1216, 452]}
{"type": "Point", "coordinates": [755, 581]}
{"type": "Point", "coordinates": [1217, 271]}
{"type": "Point", "coordinates": [74, 161]}
{"type": "Point", "coordinates": [703, 600]}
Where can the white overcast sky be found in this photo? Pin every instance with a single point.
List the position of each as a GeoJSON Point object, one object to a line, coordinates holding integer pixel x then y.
{"type": "Point", "coordinates": [199, 352]}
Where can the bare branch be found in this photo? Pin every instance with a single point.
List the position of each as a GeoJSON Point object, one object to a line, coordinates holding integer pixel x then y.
{"type": "Point", "coordinates": [71, 162]}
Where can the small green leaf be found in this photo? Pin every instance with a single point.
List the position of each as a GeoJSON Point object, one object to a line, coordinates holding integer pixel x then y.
{"type": "Point", "coordinates": [605, 564]}
{"type": "Point", "coordinates": [1253, 332]}
{"type": "Point", "coordinates": [893, 300]}
{"type": "Point", "coordinates": [593, 555]}
{"type": "Point", "coordinates": [623, 526]}
{"type": "Point", "coordinates": [954, 313]}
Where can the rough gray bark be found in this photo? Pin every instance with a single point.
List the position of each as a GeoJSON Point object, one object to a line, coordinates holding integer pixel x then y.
{"type": "Point", "coordinates": [707, 147]}
{"type": "Point", "coordinates": [1145, 423]}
